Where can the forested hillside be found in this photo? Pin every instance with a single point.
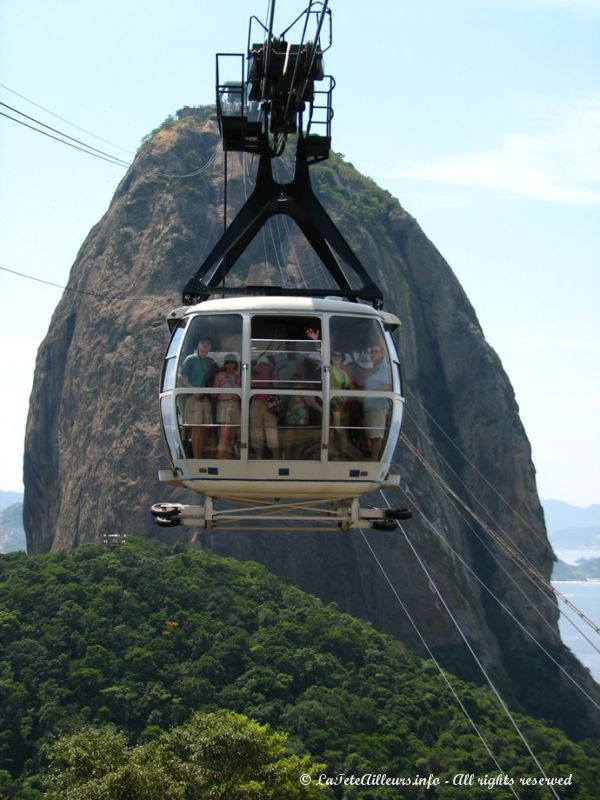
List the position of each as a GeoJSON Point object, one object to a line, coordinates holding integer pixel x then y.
{"type": "Point", "coordinates": [145, 635]}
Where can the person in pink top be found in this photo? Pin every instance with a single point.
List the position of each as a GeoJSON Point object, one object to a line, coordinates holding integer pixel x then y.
{"type": "Point", "coordinates": [228, 407]}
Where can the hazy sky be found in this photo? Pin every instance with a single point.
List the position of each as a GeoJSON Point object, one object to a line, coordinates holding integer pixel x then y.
{"type": "Point", "coordinates": [481, 116]}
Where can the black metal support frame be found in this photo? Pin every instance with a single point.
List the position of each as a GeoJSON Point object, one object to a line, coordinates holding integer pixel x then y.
{"type": "Point", "coordinates": [297, 200]}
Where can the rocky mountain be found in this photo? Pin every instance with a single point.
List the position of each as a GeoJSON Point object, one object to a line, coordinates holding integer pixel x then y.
{"type": "Point", "coordinates": [93, 443]}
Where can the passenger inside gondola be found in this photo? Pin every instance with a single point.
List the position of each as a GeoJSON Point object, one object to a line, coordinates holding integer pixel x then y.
{"type": "Point", "coordinates": [209, 425]}
{"type": "Point", "coordinates": [358, 425]}
{"type": "Point", "coordinates": [198, 370]}
{"type": "Point", "coordinates": [290, 364]}
{"type": "Point", "coordinates": [339, 378]}
{"type": "Point", "coordinates": [228, 409]}
{"type": "Point", "coordinates": [291, 342]}
{"type": "Point", "coordinates": [301, 422]}
{"type": "Point", "coordinates": [264, 436]}
{"type": "Point", "coordinates": [379, 379]}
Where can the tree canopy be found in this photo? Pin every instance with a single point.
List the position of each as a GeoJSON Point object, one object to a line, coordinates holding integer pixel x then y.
{"type": "Point", "coordinates": [144, 636]}
{"type": "Point", "coordinates": [215, 756]}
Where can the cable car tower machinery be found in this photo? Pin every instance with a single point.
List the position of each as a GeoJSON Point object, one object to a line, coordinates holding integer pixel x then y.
{"type": "Point", "coordinates": [287, 403]}
{"type": "Point", "coordinates": [257, 115]}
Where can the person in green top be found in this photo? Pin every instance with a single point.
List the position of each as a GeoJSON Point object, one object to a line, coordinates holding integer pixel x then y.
{"type": "Point", "coordinates": [338, 379]}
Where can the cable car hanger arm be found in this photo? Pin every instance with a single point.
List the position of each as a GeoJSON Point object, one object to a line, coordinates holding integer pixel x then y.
{"type": "Point", "coordinates": [297, 200]}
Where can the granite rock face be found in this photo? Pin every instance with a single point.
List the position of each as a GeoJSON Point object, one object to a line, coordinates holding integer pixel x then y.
{"type": "Point", "coordinates": [94, 446]}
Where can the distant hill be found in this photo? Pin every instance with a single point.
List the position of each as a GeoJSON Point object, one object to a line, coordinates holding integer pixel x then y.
{"type": "Point", "coordinates": [562, 517]}
{"type": "Point", "coordinates": [12, 534]}
{"type": "Point", "coordinates": [576, 539]}
{"type": "Point", "coordinates": [573, 528]}
{"type": "Point", "coordinates": [583, 570]}
{"type": "Point", "coordinates": [8, 498]}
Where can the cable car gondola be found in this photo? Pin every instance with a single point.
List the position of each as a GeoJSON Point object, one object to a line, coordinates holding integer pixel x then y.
{"type": "Point", "coordinates": [287, 403]}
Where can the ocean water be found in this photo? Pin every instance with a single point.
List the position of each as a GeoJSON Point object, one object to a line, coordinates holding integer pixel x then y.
{"type": "Point", "coordinates": [586, 596]}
